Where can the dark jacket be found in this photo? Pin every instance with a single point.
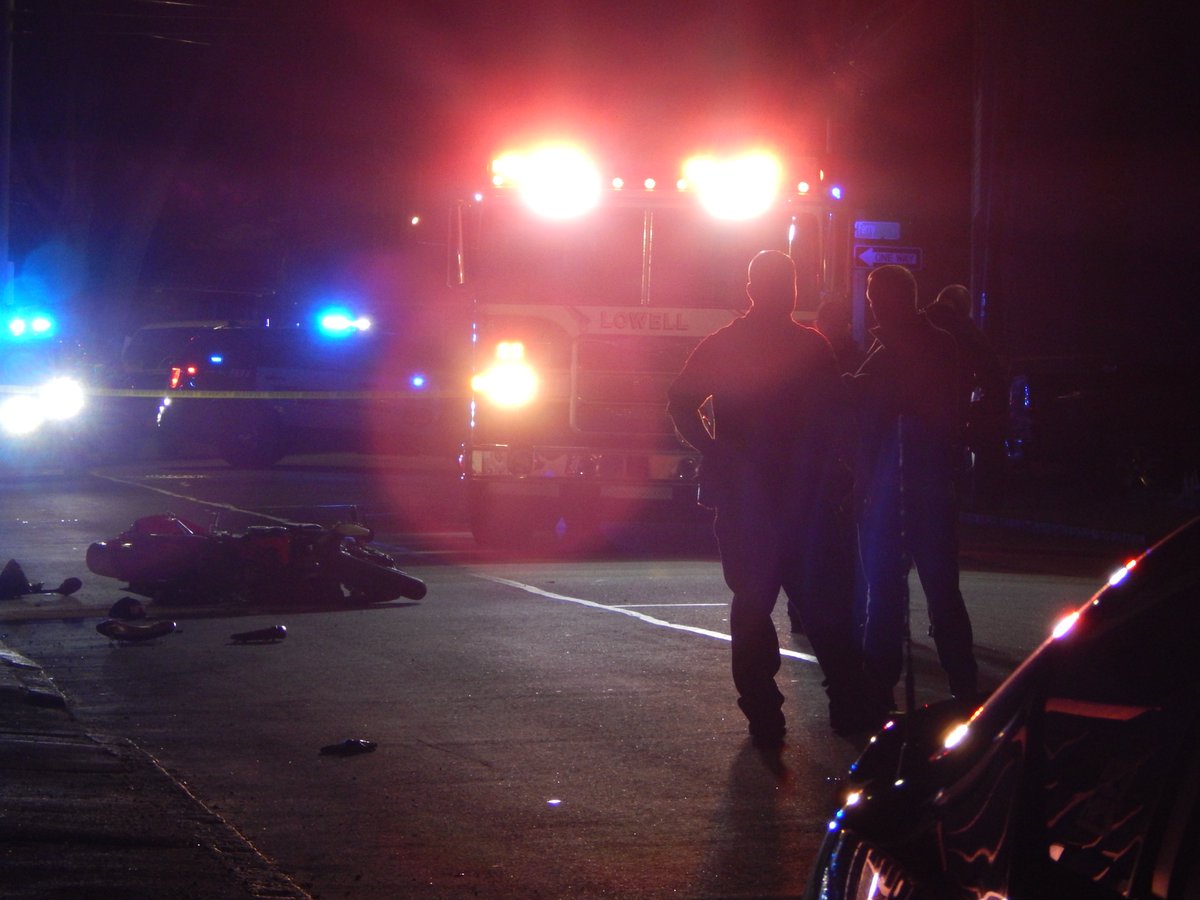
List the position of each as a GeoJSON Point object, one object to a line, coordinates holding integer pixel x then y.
{"type": "Point", "coordinates": [978, 362]}
{"type": "Point", "coordinates": [775, 394]}
{"type": "Point", "coordinates": [911, 409]}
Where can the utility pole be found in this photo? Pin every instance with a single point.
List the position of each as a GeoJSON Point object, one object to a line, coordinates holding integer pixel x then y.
{"type": "Point", "coordinates": [6, 55]}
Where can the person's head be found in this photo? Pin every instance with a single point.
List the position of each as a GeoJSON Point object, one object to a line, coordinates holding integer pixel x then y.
{"type": "Point", "coordinates": [892, 293]}
{"type": "Point", "coordinates": [772, 282]}
{"type": "Point", "coordinates": [957, 297]}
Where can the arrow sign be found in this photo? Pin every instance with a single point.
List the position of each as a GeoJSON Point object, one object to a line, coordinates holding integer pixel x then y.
{"type": "Point", "coordinates": [870, 256]}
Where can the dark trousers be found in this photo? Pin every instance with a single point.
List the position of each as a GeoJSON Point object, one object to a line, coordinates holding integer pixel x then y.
{"type": "Point", "coordinates": [770, 542]}
{"type": "Point", "coordinates": [896, 533]}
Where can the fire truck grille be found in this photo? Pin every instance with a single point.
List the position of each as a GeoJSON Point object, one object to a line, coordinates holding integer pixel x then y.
{"type": "Point", "coordinates": [619, 384]}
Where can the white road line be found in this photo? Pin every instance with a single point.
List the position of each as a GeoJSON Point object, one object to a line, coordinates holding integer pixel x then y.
{"type": "Point", "coordinates": [627, 611]}
{"type": "Point", "coordinates": [215, 504]}
{"type": "Point", "coordinates": [663, 605]}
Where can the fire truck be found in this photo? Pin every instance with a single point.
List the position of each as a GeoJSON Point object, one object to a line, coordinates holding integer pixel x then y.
{"type": "Point", "coordinates": [587, 292]}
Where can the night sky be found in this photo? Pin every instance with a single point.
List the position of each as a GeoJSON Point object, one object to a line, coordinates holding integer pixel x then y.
{"type": "Point", "coordinates": [273, 144]}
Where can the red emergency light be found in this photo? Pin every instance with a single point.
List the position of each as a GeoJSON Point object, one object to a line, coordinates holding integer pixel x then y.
{"type": "Point", "coordinates": [559, 180]}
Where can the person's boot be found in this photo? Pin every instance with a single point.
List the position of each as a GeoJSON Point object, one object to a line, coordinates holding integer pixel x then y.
{"type": "Point", "coordinates": [767, 725]}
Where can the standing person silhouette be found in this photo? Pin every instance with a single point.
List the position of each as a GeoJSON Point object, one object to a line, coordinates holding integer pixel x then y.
{"type": "Point", "coordinates": [985, 391]}
{"type": "Point", "coordinates": [911, 409]}
{"type": "Point", "coordinates": [769, 469]}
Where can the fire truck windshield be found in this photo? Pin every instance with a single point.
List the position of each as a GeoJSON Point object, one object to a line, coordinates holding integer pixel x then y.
{"type": "Point", "coordinates": [694, 260]}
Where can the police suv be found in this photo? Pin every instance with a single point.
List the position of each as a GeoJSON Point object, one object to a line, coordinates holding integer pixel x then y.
{"type": "Point", "coordinates": [257, 393]}
{"type": "Point", "coordinates": [43, 405]}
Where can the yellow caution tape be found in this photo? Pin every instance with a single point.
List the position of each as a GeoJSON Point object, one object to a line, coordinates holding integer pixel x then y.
{"type": "Point", "coordinates": [415, 394]}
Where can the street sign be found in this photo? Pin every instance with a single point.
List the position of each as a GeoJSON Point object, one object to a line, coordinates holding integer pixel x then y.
{"type": "Point", "coordinates": [876, 231]}
{"type": "Point", "coordinates": [869, 256]}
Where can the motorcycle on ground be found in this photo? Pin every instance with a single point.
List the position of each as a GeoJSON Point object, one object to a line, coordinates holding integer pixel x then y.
{"type": "Point", "coordinates": [170, 559]}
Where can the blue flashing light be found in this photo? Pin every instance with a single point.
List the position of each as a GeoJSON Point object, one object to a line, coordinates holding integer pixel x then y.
{"type": "Point", "coordinates": [417, 381]}
{"type": "Point", "coordinates": [37, 325]}
{"type": "Point", "coordinates": [835, 192]}
{"type": "Point", "coordinates": [216, 359]}
{"type": "Point", "coordinates": [340, 322]}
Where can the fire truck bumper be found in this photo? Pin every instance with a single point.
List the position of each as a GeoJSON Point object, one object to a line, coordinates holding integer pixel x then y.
{"type": "Point", "coordinates": [627, 474]}
{"type": "Point", "coordinates": [519, 490]}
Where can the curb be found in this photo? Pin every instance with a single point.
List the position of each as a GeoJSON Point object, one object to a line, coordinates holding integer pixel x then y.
{"type": "Point", "coordinates": [1034, 527]}
{"type": "Point", "coordinates": [23, 678]}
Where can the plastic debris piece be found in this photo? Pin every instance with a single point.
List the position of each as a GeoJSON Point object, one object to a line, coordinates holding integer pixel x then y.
{"type": "Point", "coordinates": [13, 583]}
{"type": "Point", "coordinates": [349, 747]}
{"type": "Point", "coordinates": [260, 635]}
{"type": "Point", "coordinates": [125, 631]}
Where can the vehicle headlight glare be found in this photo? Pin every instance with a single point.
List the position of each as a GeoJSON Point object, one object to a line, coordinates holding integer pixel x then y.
{"type": "Point", "coordinates": [61, 399]}
{"type": "Point", "coordinates": [510, 382]}
{"type": "Point", "coordinates": [20, 415]}
{"type": "Point", "coordinates": [507, 384]}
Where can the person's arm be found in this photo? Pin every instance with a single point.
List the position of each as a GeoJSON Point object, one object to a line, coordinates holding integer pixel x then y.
{"type": "Point", "coordinates": [683, 405]}
{"type": "Point", "coordinates": [859, 382]}
{"type": "Point", "coordinates": [685, 398]}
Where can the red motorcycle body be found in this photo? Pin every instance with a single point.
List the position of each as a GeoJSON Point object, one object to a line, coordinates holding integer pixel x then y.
{"type": "Point", "coordinates": [169, 558]}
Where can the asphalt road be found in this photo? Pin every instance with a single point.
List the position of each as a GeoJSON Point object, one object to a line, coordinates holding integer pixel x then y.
{"type": "Point", "coordinates": [545, 726]}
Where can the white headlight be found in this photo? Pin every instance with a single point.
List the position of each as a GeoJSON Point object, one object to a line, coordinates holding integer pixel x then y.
{"type": "Point", "coordinates": [61, 399]}
{"type": "Point", "coordinates": [511, 382]}
{"type": "Point", "coordinates": [57, 400]}
{"type": "Point", "coordinates": [507, 384]}
{"type": "Point", "coordinates": [20, 414]}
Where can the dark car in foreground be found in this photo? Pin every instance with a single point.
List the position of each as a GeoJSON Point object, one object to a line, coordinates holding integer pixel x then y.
{"type": "Point", "coordinates": [1078, 778]}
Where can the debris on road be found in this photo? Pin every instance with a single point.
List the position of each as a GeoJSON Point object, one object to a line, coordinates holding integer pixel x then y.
{"type": "Point", "coordinates": [260, 635]}
{"type": "Point", "coordinates": [127, 608]}
{"type": "Point", "coordinates": [13, 583]}
{"type": "Point", "coordinates": [124, 631]}
{"type": "Point", "coordinates": [349, 747]}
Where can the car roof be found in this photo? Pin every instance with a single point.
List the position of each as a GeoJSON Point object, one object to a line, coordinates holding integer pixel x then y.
{"type": "Point", "coordinates": [195, 324]}
{"type": "Point", "coordinates": [1143, 586]}
{"type": "Point", "coordinates": [276, 344]}
{"type": "Point", "coordinates": [149, 347]}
